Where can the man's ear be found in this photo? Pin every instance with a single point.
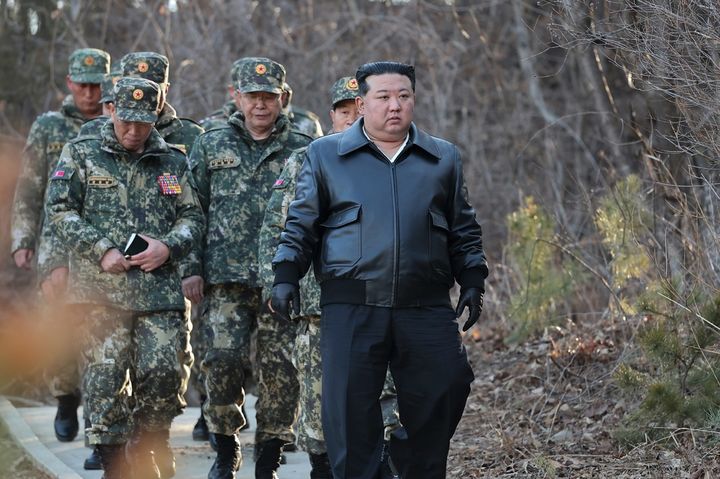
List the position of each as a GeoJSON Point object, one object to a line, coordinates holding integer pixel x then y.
{"type": "Point", "coordinates": [68, 82]}
{"type": "Point", "coordinates": [360, 104]}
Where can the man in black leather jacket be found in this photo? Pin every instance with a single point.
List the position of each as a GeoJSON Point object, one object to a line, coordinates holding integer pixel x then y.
{"type": "Point", "coordinates": [381, 211]}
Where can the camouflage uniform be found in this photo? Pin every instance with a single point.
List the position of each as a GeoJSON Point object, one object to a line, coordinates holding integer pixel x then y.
{"type": "Point", "coordinates": [180, 133]}
{"type": "Point", "coordinates": [235, 174]}
{"type": "Point", "coordinates": [306, 355]}
{"type": "Point", "coordinates": [305, 121]}
{"type": "Point", "coordinates": [47, 136]}
{"type": "Point", "coordinates": [98, 195]}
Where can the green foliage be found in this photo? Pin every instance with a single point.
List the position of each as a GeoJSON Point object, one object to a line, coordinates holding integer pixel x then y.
{"type": "Point", "coordinates": [620, 219]}
{"type": "Point", "coordinates": [543, 279]}
{"type": "Point", "coordinates": [680, 387]}
{"type": "Point", "coordinates": [629, 378]}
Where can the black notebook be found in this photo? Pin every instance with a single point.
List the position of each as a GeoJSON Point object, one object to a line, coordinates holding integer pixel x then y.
{"type": "Point", "coordinates": [135, 245]}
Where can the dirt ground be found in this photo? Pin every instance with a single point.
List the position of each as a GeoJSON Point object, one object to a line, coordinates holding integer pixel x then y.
{"type": "Point", "coordinates": [548, 408]}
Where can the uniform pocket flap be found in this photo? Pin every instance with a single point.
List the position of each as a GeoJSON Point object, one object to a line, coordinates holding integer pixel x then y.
{"type": "Point", "coordinates": [439, 220]}
{"type": "Point", "coordinates": [342, 218]}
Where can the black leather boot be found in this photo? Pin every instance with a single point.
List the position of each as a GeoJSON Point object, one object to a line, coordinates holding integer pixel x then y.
{"type": "Point", "coordinates": [228, 459]}
{"type": "Point", "coordinates": [267, 460]}
{"type": "Point", "coordinates": [93, 461]}
{"type": "Point", "coordinates": [320, 466]}
{"type": "Point", "coordinates": [200, 431]}
{"type": "Point", "coordinates": [66, 421]}
{"type": "Point", "coordinates": [112, 458]}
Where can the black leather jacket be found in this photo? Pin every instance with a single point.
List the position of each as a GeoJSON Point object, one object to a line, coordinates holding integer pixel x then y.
{"type": "Point", "coordinates": [380, 233]}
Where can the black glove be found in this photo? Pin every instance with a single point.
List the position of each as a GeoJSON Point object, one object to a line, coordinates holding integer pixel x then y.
{"type": "Point", "coordinates": [282, 295]}
{"type": "Point", "coordinates": [471, 298]}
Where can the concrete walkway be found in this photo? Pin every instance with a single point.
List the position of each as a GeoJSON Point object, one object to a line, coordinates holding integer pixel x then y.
{"type": "Point", "coordinates": [32, 428]}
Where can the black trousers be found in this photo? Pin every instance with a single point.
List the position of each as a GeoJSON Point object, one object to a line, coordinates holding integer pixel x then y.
{"type": "Point", "coordinates": [432, 376]}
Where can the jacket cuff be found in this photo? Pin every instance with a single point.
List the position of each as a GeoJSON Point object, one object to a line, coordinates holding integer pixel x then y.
{"type": "Point", "coordinates": [101, 247]}
{"type": "Point", "coordinates": [473, 277]}
{"type": "Point", "coordinates": [174, 246]}
{"type": "Point", "coordinates": [287, 272]}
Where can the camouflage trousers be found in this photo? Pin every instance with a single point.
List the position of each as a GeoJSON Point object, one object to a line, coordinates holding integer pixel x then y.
{"type": "Point", "coordinates": [233, 311]}
{"type": "Point", "coordinates": [137, 367]}
{"type": "Point", "coordinates": [63, 377]}
{"type": "Point", "coordinates": [277, 407]}
{"type": "Point", "coordinates": [200, 341]}
{"type": "Point", "coordinates": [307, 360]}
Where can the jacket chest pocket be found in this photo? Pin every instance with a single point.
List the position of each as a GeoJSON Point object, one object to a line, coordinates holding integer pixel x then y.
{"type": "Point", "coordinates": [342, 238]}
{"type": "Point", "coordinates": [102, 195]}
{"type": "Point", "coordinates": [438, 242]}
{"type": "Point", "coordinates": [225, 176]}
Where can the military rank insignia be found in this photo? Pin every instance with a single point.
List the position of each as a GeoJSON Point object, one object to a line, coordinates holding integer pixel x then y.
{"type": "Point", "coordinates": [169, 184]}
{"type": "Point", "coordinates": [279, 183]}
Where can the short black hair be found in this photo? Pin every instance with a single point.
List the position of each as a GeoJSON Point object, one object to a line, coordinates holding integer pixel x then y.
{"type": "Point", "coordinates": [379, 68]}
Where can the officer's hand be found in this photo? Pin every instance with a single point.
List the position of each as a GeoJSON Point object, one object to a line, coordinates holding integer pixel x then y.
{"type": "Point", "coordinates": [54, 286]}
{"type": "Point", "coordinates": [192, 288]}
{"type": "Point", "coordinates": [154, 256]}
{"type": "Point", "coordinates": [114, 262]}
{"type": "Point", "coordinates": [23, 258]}
{"type": "Point", "coordinates": [282, 295]}
{"type": "Point", "coordinates": [471, 298]}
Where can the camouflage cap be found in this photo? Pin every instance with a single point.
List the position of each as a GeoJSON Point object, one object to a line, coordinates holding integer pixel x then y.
{"type": "Point", "coordinates": [235, 69]}
{"type": "Point", "coordinates": [149, 65]}
{"type": "Point", "coordinates": [108, 84]}
{"type": "Point", "coordinates": [260, 74]}
{"type": "Point", "coordinates": [345, 88]}
{"type": "Point", "coordinates": [137, 99]}
{"type": "Point", "coordinates": [88, 65]}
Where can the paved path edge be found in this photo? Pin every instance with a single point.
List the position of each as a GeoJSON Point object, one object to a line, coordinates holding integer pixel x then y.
{"type": "Point", "coordinates": [41, 456]}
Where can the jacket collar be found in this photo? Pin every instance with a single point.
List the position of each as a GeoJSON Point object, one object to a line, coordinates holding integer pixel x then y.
{"type": "Point", "coordinates": [280, 130]}
{"type": "Point", "coordinates": [110, 143]}
{"type": "Point", "coordinates": [354, 139]}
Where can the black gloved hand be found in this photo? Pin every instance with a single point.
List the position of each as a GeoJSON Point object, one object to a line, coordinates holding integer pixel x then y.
{"type": "Point", "coordinates": [282, 295]}
{"type": "Point", "coordinates": [471, 298]}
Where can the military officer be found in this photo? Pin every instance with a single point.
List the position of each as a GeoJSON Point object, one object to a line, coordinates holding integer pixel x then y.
{"type": "Point", "coordinates": [104, 189]}
{"type": "Point", "coordinates": [235, 167]}
{"type": "Point", "coordinates": [30, 242]}
{"type": "Point", "coordinates": [180, 132]}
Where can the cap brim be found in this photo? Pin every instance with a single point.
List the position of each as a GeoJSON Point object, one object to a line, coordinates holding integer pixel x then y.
{"type": "Point", "coordinates": [131, 114]}
{"type": "Point", "coordinates": [88, 77]}
{"type": "Point", "coordinates": [344, 98]}
{"type": "Point", "coordinates": [255, 87]}
{"type": "Point", "coordinates": [106, 99]}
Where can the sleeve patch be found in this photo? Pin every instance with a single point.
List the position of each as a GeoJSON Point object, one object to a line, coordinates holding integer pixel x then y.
{"type": "Point", "coordinates": [62, 173]}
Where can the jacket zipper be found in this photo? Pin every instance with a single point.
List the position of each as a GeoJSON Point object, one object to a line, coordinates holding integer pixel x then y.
{"type": "Point", "coordinates": [396, 240]}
